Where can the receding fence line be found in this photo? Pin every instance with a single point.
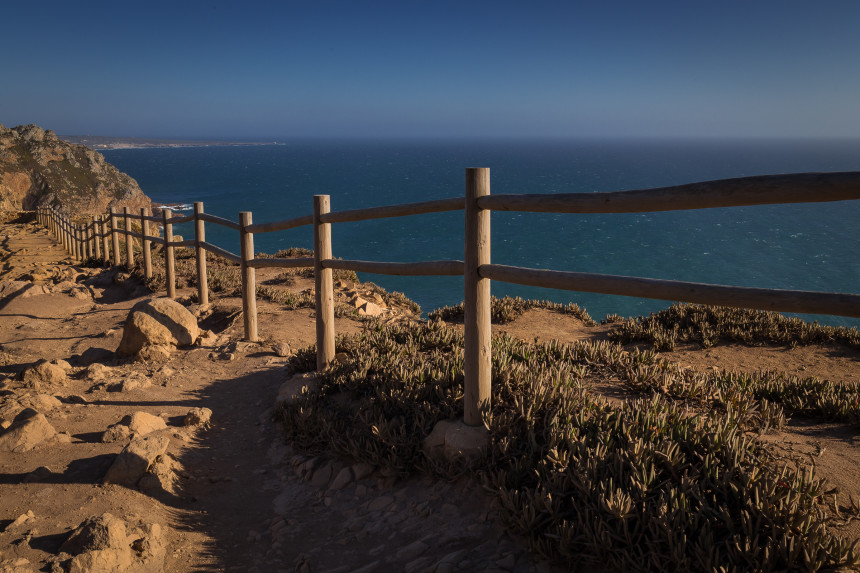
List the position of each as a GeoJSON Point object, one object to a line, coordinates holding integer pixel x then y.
{"type": "Point", "coordinates": [477, 268]}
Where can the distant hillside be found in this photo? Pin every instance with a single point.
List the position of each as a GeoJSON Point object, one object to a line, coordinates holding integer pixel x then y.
{"type": "Point", "coordinates": [38, 169]}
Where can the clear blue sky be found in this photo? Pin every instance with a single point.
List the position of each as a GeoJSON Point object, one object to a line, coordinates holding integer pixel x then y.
{"type": "Point", "coordinates": [442, 68]}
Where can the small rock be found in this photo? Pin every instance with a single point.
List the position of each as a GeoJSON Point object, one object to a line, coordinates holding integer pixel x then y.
{"type": "Point", "coordinates": [342, 479]}
{"type": "Point", "coordinates": [154, 353]}
{"type": "Point", "coordinates": [39, 474]}
{"type": "Point", "coordinates": [135, 459]}
{"type": "Point", "coordinates": [40, 402]}
{"type": "Point", "coordinates": [362, 469]}
{"type": "Point", "coordinates": [133, 384]}
{"type": "Point", "coordinates": [62, 364]}
{"type": "Point", "coordinates": [22, 519]}
{"type": "Point", "coordinates": [29, 429]}
{"type": "Point", "coordinates": [94, 354]}
{"type": "Point", "coordinates": [43, 373]}
{"type": "Point", "coordinates": [322, 475]}
{"type": "Point", "coordinates": [291, 391]}
{"type": "Point", "coordinates": [282, 349]}
{"type": "Point", "coordinates": [411, 551]}
{"type": "Point", "coordinates": [142, 423]}
{"type": "Point", "coordinates": [94, 533]}
{"type": "Point", "coordinates": [96, 372]}
{"type": "Point", "coordinates": [380, 503]}
{"type": "Point", "coordinates": [198, 417]}
{"type": "Point", "coordinates": [116, 433]}
{"type": "Point", "coordinates": [16, 565]}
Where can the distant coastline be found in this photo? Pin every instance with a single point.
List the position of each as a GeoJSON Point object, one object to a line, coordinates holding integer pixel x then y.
{"type": "Point", "coordinates": [99, 142]}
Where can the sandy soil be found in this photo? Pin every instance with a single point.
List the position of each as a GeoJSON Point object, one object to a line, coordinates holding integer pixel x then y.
{"type": "Point", "coordinates": [242, 499]}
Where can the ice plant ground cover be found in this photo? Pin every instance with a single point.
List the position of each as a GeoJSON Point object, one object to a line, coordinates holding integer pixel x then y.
{"type": "Point", "coordinates": [673, 477]}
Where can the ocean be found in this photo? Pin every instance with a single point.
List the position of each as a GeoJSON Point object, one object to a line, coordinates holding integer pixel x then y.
{"type": "Point", "coordinates": [803, 246]}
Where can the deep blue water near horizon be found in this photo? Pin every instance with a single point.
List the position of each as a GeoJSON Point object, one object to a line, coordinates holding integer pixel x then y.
{"type": "Point", "coordinates": [802, 246]}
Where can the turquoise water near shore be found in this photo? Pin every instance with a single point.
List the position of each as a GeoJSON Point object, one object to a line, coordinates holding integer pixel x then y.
{"type": "Point", "coordinates": [804, 246]}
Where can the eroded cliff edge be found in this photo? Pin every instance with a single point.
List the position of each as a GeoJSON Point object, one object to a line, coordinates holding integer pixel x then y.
{"type": "Point", "coordinates": [38, 169]}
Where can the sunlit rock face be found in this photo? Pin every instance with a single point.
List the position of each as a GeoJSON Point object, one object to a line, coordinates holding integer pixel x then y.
{"type": "Point", "coordinates": [39, 170]}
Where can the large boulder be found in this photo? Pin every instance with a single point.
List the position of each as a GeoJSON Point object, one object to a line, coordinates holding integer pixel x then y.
{"type": "Point", "coordinates": [158, 321]}
{"type": "Point", "coordinates": [43, 373]}
{"type": "Point", "coordinates": [133, 461]}
{"type": "Point", "coordinates": [28, 431]}
{"type": "Point", "coordinates": [102, 532]}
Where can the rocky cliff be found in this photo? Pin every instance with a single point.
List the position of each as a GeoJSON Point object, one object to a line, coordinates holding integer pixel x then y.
{"type": "Point", "coordinates": [37, 169]}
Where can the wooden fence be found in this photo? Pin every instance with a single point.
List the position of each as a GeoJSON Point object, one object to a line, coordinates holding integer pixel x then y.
{"type": "Point", "coordinates": [82, 241]}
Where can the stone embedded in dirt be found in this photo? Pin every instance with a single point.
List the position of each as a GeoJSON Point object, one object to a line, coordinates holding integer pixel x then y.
{"type": "Point", "coordinates": [102, 532]}
{"type": "Point", "coordinates": [95, 354]}
{"type": "Point", "coordinates": [452, 439]}
{"type": "Point", "coordinates": [40, 402]}
{"type": "Point", "coordinates": [207, 338]}
{"type": "Point", "coordinates": [150, 546]}
{"type": "Point", "coordinates": [282, 349]}
{"type": "Point", "coordinates": [291, 391]}
{"type": "Point", "coordinates": [40, 474]}
{"type": "Point", "coordinates": [154, 353]}
{"type": "Point", "coordinates": [160, 478]}
{"type": "Point", "coordinates": [130, 384]}
{"type": "Point", "coordinates": [157, 321]}
{"type": "Point", "coordinates": [114, 560]}
{"type": "Point", "coordinates": [96, 372]}
{"type": "Point", "coordinates": [198, 417]}
{"type": "Point", "coordinates": [22, 519]}
{"type": "Point", "coordinates": [370, 309]}
{"type": "Point", "coordinates": [342, 479]}
{"type": "Point", "coordinates": [357, 302]}
{"type": "Point", "coordinates": [16, 565]}
{"type": "Point", "coordinates": [43, 372]}
{"type": "Point", "coordinates": [142, 423]}
{"type": "Point", "coordinates": [133, 461]}
{"type": "Point", "coordinates": [116, 433]}
{"type": "Point", "coordinates": [64, 364]}
{"type": "Point", "coordinates": [29, 429]}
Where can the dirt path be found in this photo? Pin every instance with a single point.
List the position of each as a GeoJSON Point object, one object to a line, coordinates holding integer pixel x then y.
{"type": "Point", "coordinates": [236, 497]}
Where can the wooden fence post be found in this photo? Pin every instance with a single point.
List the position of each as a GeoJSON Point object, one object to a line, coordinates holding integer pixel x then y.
{"type": "Point", "coordinates": [249, 279]}
{"type": "Point", "coordinates": [76, 233]}
{"type": "Point", "coordinates": [324, 289]}
{"type": "Point", "coordinates": [114, 235]}
{"type": "Point", "coordinates": [105, 239]}
{"type": "Point", "coordinates": [129, 241]}
{"type": "Point", "coordinates": [200, 237]}
{"type": "Point", "coordinates": [169, 268]}
{"type": "Point", "coordinates": [146, 247]}
{"type": "Point", "coordinates": [478, 357]}
{"type": "Point", "coordinates": [64, 233]}
{"type": "Point", "coordinates": [97, 245]}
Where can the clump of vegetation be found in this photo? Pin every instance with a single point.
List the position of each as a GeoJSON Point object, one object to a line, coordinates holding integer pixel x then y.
{"type": "Point", "coordinates": [708, 325]}
{"type": "Point", "coordinates": [507, 309]}
{"type": "Point", "coordinates": [656, 483]}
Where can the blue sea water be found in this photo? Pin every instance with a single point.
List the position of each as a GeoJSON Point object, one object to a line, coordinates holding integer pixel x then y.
{"type": "Point", "coordinates": [803, 246]}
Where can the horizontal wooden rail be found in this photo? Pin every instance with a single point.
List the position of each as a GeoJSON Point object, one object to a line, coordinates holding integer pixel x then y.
{"type": "Point", "coordinates": [442, 268]}
{"type": "Point", "coordinates": [183, 219]}
{"type": "Point", "coordinates": [221, 252]}
{"type": "Point", "coordinates": [219, 220]}
{"type": "Point", "coordinates": [280, 225]}
{"type": "Point", "coordinates": [158, 240]}
{"type": "Point", "coordinates": [438, 206]}
{"type": "Point", "coordinates": [152, 218]}
{"type": "Point", "coordinates": [281, 263]}
{"type": "Point", "coordinates": [136, 217]}
{"type": "Point", "coordinates": [807, 302]}
{"type": "Point", "coordinates": [186, 243]}
{"type": "Point", "coordinates": [760, 190]}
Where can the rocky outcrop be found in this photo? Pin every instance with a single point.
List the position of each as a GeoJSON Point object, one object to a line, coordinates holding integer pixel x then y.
{"type": "Point", "coordinates": [37, 169]}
